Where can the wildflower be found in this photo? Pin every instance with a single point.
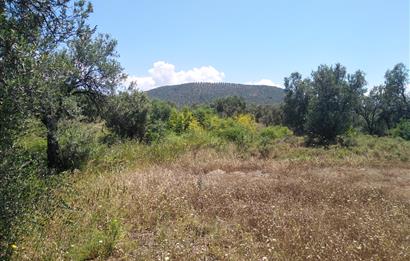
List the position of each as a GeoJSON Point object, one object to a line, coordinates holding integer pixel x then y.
{"type": "Point", "coordinates": [13, 246]}
{"type": "Point", "coordinates": [100, 241]}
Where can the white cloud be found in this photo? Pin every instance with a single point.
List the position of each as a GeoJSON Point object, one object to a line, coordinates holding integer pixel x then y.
{"type": "Point", "coordinates": [265, 82]}
{"type": "Point", "coordinates": [163, 73]}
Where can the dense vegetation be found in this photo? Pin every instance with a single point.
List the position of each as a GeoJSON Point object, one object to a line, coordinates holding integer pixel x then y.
{"type": "Point", "coordinates": [202, 93]}
{"type": "Point", "coordinates": [331, 102]}
{"type": "Point", "coordinates": [88, 171]}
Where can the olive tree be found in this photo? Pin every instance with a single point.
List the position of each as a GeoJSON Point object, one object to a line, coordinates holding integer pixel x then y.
{"type": "Point", "coordinates": [335, 97]}
{"type": "Point", "coordinates": [295, 106]}
{"type": "Point", "coordinates": [29, 29]}
{"type": "Point", "coordinates": [87, 68]}
{"type": "Point", "coordinates": [49, 55]}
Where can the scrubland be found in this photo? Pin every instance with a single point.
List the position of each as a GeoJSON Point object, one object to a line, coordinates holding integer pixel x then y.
{"type": "Point", "coordinates": [194, 197]}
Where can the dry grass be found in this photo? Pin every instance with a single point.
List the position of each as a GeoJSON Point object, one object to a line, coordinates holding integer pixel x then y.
{"type": "Point", "coordinates": [212, 205]}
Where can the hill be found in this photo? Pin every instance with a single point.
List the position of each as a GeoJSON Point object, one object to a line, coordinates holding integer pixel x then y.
{"type": "Point", "coordinates": [199, 93]}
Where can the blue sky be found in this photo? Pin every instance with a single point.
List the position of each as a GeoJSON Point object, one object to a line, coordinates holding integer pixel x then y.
{"type": "Point", "coordinates": [164, 42]}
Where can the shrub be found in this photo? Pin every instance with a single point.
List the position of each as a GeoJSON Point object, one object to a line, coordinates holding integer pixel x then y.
{"type": "Point", "coordinates": [268, 135]}
{"type": "Point", "coordinates": [237, 134]}
{"type": "Point", "coordinates": [402, 130]}
{"type": "Point", "coordinates": [155, 132]}
{"type": "Point", "coordinates": [275, 132]}
{"type": "Point", "coordinates": [203, 115]}
{"type": "Point", "coordinates": [349, 139]}
{"type": "Point", "coordinates": [195, 126]}
{"type": "Point", "coordinates": [179, 121]}
{"type": "Point", "coordinates": [127, 114]}
{"type": "Point", "coordinates": [160, 111]}
{"type": "Point", "coordinates": [247, 121]}
{"type": "Point", "coordinates": [21, 187]}
{"type": "Point", "coordinates": [77, 141]}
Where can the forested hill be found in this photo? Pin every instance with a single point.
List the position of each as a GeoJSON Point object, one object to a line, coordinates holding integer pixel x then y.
{"type": "Point", "coordinates": [199, 93]}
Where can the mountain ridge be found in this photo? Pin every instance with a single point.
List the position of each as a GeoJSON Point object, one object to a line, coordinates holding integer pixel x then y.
{"type": "Point", "coordinates": [206, 92]}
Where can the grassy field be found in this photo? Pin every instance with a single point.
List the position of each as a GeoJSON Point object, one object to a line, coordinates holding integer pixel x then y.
{"type": "Point", "coordinates": [186, 200]}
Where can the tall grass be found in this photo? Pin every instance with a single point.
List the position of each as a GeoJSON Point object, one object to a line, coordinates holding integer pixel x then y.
{"type": "Point", "coordinates": [216, 204]}
{"type": "Point", "coordinates": [209, 194]}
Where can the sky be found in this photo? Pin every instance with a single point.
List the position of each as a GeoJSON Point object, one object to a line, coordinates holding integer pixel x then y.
{"type": "Point", "coordinates": [164, 42]}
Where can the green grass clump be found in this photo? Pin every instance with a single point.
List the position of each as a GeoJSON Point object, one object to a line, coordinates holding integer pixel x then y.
{"type": "Point", "coordinates": [97, 243]}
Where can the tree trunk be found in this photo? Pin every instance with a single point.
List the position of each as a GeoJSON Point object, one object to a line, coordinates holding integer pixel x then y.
{"type": "Point", "coordinates": [53, 149]}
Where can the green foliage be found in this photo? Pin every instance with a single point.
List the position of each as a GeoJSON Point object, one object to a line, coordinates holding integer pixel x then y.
{"type": "Point", "coordinates": [32, 137]}
{"type": "Point", "coordinates": [370, 110]}
{"type": "Point", "coordinates": [160, 111]}
{"type": "Point", "coordinates": [402, 129]}
{"type": "Point", "coordinates": [78, 141]}
{"type": "Point", "coordinates": [396, 103]}
{"type": "Point", "coordinates": [180, 121]}
{"type": "Point", "coordinates": [324, 107]}
{"type": "Point", "coordinates": [229, 106]}
{"type": "Point", "coordinates": [268, 135]}
{"type": "Point", "coordinates": [52, 57]}
{"type": "Point", "coordinates": [21, 186]}
{"type": "Point", "coordinates": [156, 131]}
{"type": "Point", "coordinates": [29, 31]}
{"type": "Point", "coordinates": [295, 104]}
{"type": "Point", "coordinates": [235, 134]}
{"type": "Point", "coordinates": [267, 114]}
{"type": "Point", "coordinates": [127, 114]}
{"type": "Point", "coordinates": [275, 132]}
{"type": "Point", "coordinates": [232, 131]}
{"type": "Point", "coordinates": [348, 139]}
{"type": "Point", "coordinates": [387, 104]}
{"type": "Point", "coordinates": [332, 103]}
{"type": "Point", "coordinates": [203, 115]}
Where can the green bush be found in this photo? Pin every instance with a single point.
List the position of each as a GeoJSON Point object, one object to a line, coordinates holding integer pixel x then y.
{"type": "Point", "coordinates": [237, 134]}
{"type": "Point", "coordinates": [155, 132]}
{"type": "Point", "coordinates": [77, 142]}
{"type": "Point", "coordinates": [21, 187]}
{"type": "Point", "coordinates": [127, 114]}
{"type": "Point", "coordinates": [179, 121]}
{"type": "Point", "coordinates": [349, 139]}
{"type": "Point", "coordinates": [402, 130]}
{"type": "Point", "coordinates": [160, 111]}
{"type": "Point", "coordinates": [275, 132]}
{"type": "Point", "coordinates": [268, 135]}
{"type": "Point", "coordinates": [203, 116]}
